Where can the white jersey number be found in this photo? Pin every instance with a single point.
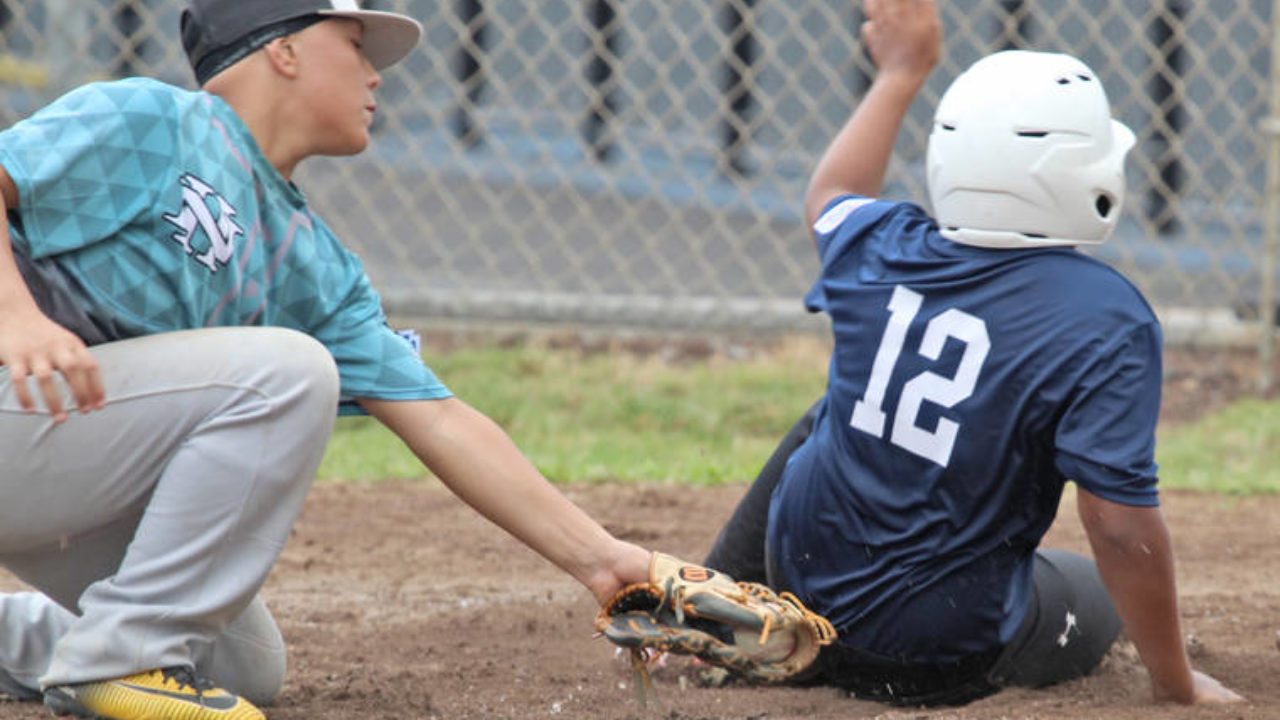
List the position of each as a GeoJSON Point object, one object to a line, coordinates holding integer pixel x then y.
{"type": "Point", "coordinates": [868, 415]}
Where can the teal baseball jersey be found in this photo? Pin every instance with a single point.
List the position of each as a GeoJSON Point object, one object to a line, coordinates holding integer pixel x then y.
{"type": "Point", "coordinates": [153, 209]}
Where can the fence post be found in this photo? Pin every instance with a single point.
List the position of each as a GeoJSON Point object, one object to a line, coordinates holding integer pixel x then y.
{"type": "Point", "coordinates": [739, 29]}
{"type": "Point", "coordinates": [128, 23]}
{"type": "Point", "coordinates": [470, 72]}
{"type": "Point", "coordinates": [68, 25]}
{"type": "Point", "coordinates": [863, 67]}
{"type": "Point", "coordinates": [1271, 249]}
{"type": "Point", "coordinates": [603, 105]}
{"type": "Point", "coordinates": [1015, 28]}
{"type": "Point", "coordinates": [1167, 36]}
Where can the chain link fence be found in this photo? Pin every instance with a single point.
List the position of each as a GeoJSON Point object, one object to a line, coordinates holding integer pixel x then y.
{"type": "Point", "coordinates": [642, 162]}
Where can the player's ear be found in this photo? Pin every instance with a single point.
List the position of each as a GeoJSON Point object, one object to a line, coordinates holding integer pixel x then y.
{"type": "Point", "coordinates": [282, 54]}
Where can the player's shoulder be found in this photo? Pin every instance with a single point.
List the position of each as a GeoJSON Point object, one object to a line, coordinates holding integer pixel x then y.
{"type": "Point", "coordinates": [1082, 267]}
{"type": "Point", "coordinates": [1093, 286]}
{"type": "Point", "coordinates": [102, 113]}
{"type": "Point", "coordinates": [142, 105]}
{"type": "Point", "coordinates": [843, 211]}
{"type": "Point", "coordinates": [855, 221]}
{"type": "Point", "coordinates": [128, 95]}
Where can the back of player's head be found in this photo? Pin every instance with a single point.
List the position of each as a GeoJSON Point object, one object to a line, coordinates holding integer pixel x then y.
{"type": "Point", "coordinates": [1024, 153]}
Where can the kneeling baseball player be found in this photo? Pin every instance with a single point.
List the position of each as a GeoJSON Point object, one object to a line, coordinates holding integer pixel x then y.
{"type": "Point", "coordinates": [177, 327]}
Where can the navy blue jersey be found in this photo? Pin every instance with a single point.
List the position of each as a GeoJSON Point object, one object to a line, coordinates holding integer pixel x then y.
{"type": "Point", "coordinates": [967, 385]}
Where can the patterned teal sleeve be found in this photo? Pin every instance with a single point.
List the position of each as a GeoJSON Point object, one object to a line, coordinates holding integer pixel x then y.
{"type": "Point", "coordinates": [374, 361]}
{"type": "Point", "coordinates": [119, 135]}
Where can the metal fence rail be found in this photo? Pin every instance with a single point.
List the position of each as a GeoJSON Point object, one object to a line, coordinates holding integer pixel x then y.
{"type": "Point", "coordinates": [642, 162]}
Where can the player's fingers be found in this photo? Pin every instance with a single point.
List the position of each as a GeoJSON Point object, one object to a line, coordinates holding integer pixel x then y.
{"type": "Point", "coordinates": [80, 380]}
{"type": "Point", "coordinates": [18, 378]}
{"type": "Point", "coordinates": [80, 369]}
{"type": "Point", "coordinates": [97, 391]}
{"type": "Point", "coordinates": [42, 371]}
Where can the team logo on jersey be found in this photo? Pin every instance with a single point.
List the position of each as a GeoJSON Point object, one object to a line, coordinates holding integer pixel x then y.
{"type": "Point", "coordinates": [197, 220]}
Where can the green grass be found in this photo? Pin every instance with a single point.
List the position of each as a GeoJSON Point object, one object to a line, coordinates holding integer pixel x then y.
{"type": "Point", "coordinates": [613, 416]}
{"type": "Point", "coordinates": [1235, 451]}
{"type": "Point", "coordinates": [591, 417]}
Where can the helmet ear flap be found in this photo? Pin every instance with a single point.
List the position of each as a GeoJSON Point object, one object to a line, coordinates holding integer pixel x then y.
{"type": "Point", "coordinates": [1024, 153]}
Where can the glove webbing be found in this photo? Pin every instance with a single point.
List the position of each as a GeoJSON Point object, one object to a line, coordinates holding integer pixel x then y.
{"type": "Point", "coordinates": [645, 691]}
{"type": "Point", "coordinates": [825, 630]}
{"type": "Point", "coordinates": [673, 598]}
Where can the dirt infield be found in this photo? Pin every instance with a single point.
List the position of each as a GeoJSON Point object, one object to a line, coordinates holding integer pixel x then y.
{"type": "Point", "coordinates": [399, 602]}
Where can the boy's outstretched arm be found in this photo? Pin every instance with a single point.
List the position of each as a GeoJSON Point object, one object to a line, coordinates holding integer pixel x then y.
{"type": "Point", "coordinates": [481, 465]}
{"type": "Point", "coordinates": [1135, 558]}
{"type": "Point", "coordinates": [904, 39]}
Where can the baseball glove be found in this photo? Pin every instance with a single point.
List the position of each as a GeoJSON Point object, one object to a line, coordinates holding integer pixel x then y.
{"type": "Point", "coordinates": [688, 609]}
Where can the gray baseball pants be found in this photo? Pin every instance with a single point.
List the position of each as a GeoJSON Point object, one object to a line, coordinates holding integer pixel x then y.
{"type": "Point", "coordinates": [147, 528]}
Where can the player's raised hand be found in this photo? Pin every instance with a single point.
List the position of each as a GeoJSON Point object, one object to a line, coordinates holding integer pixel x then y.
{"type": "Point", "coordinates": [34, 347]}
{"type": "Point", "coordinates": [902, 35]}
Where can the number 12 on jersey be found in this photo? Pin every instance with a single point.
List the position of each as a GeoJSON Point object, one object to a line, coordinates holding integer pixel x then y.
{"type": "Point", "coordinates": [868, 414]}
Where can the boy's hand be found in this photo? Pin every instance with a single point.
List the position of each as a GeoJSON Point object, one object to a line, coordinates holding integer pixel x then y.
{"type": "Point", "coordinates": [902, 36]}
{"type": "Point", "coordinates": [32, 345]}
{"type": "Point", "coordinates": [1207, 690]}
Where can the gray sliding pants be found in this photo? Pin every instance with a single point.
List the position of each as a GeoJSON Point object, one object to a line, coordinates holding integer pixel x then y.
{"type": "Point", "coordinates": [147, 528]}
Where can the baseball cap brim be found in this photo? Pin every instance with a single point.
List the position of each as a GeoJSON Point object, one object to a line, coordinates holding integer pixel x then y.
{"type": "Point", "coordinates": [388, 37]}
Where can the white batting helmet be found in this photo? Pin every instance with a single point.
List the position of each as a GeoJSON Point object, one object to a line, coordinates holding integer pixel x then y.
{"type": "Point", "coordinates": [1024, 153]}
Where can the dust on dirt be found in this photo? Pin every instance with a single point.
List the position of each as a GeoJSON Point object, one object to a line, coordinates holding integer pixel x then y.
{"type": "Point", "coordinates": [399, 602]}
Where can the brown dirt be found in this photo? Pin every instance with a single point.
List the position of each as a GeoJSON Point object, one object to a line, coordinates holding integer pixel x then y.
{"type": "Point", "coordinates": [400, 602]}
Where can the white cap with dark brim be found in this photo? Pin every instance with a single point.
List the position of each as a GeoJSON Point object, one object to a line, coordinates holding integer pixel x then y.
{"type": "Point", "coordinates": [388, 37]}
{"type": "Point", "coordinates": [218, 33]}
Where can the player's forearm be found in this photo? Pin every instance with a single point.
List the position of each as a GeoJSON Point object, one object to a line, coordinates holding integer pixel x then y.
{"type": "Point", "coordinates": [12, 287]}
{"type": "Point", "coordinates": [15, 298]}
{"type": "Point", "coordinates": [1135, 558]}
{"type": "Point", "coordinates": [476, 459]}
{"type": "Point", "coordinates": [858, 157]}
{"type": "Point", "coordinates": [13, 290]}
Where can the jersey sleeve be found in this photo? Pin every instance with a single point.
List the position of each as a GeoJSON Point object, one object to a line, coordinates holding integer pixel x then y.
{"type": "Point", "coordinates": [845, 220]}
{"type": "Point", "coordinates": [1106, 438]}
{"type": "Point", "coordinates": [374, 361]}
{"type": "Point", "coordinates": [88, 163]}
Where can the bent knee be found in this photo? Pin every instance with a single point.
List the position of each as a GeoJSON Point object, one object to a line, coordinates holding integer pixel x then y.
{"type": "Point", "coordinates": [265, 684]}
{"type": "Point", "coordinates": [258, 682]}
{"type": "Point", "coordinates": [295, 369]}
{"type": "Point", "coordinates": [250, 658]}
{"type": "Point", "coordinates": [303, 358]}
